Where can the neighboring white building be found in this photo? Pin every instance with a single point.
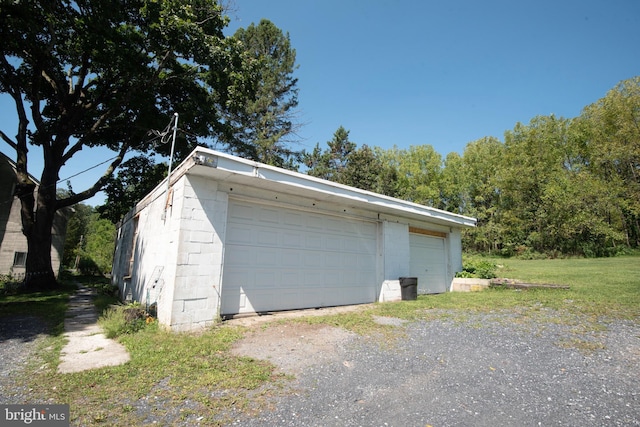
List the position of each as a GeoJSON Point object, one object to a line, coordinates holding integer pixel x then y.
{"type": "Point", "coordinates": [234, 236]}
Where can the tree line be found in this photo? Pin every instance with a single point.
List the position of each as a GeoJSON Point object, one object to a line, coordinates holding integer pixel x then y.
{"type": "Point", "coordinates": [554, 186]}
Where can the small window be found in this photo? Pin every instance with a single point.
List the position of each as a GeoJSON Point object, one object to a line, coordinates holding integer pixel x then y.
{"type": "Point", "coordinates": [19, 259]}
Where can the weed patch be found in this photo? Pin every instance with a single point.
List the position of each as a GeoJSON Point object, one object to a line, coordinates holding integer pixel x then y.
{"type": "Point", "coordinates": [120, 320]}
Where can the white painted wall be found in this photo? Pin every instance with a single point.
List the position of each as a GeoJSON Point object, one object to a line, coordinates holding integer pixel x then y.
{"type": "Point", "coordinates": [396, 251]}
{"type": "Point", "coordinates": [178, 260]}
{"type": "Point", "coordinates": [196, 294]}
{"type": "Point", "coordinates": [154, 250]}
{"type": "Point", "coordinates": [454, 245]}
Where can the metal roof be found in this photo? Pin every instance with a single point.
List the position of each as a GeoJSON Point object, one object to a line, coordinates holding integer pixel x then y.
{"type": "Point", "coordinates": [231, 169]}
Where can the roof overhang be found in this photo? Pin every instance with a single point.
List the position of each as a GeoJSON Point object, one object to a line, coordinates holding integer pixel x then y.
{"type": "Point", "coordinates": [231, 169]}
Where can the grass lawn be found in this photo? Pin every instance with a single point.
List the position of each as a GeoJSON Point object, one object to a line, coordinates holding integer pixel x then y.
{"type": "Point", "coordinates": [195, 375]}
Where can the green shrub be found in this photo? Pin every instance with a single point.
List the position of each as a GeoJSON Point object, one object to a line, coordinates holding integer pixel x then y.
{"type": "Point", "coordinates": [88, 267]}
{"type": "Point", "coordinates": [478, 268]}
{"type": "Point", "coordinates": [8, 285]}
{"type": "Point", "coordinates": [123, 319]}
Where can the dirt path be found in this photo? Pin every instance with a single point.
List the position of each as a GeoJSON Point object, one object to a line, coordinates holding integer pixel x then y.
{"type": "Point", "coordinates": [293, 347]}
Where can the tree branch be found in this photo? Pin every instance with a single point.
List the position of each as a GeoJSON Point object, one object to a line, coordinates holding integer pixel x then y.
{"type": "Point", "coordinates": [90, 192]}
{"type": "Point", "coordinates": [8, 140]}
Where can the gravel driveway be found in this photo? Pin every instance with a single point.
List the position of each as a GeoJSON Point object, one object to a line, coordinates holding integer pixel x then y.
{"type": "Point", "coordinates": [485, 370]}
{"type": "Point", "coordinates": [19, 337]}
{"type": "Point", "coordinates": [496, 369]}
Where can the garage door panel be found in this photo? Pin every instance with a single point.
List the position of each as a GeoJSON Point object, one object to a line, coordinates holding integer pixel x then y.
{"type": "Point", "coordinates": [265, 237]}
{"type": "Point", "coordinates": [239, 234]}
{"type": "Point", "coordinates": [311, 259]}
{"type": "Point", "coordinates": [314, 278]}
{"type": "Point", "coordinates": [293, 220]}
{"type": "Point", "coordinates": [333, 259]}
{"type": "Point", "coordinates": [265, 258]}
{"type": "Point", "coordinates": [290, 257]}
{"type": "Point", "coordinates": [238, 258]}
{"type": "Point", "coordinates": [290, 278]}
{"type": "Point", "coordinates": [295, 260]}
{"type": "Point", "coordinates": [267, 215]}
{"type": "Point", "coordinates": [332, 243]}
{"type": "Point", "coordinates": [313, 241]}
{"type": "Point", "coordinates": [241, 212]}
{"type": "Point", "coordinates": [291, 240]}
{"type": "Point", "coordinates": [428, 263]}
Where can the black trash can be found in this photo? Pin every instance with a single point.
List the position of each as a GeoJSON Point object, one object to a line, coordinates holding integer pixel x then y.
{"type": "Point", "coordinates": [409, 288]}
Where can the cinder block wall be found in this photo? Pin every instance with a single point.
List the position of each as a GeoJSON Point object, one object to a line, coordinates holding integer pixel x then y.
{"type": "Point", "coordinates": [198, 276]}
{"type": "Point", "coordinates": [151, 244]}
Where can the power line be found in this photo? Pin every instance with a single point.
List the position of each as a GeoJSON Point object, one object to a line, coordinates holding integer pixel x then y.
{"type": "Point", "coordinates": [87, 170]}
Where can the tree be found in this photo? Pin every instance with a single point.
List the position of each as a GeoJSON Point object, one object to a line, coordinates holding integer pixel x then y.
{"type": "Point", "coordinates": [77, 228]}
{"type": "Point", "coordinates": [534, 156]}
{"type": "Point", "coordinates": [419, 169]}
{"type": "Point", "coordinates": [452, 190]}
{"type": "Point", "coordinates": [366, 170]}
{"type": "Point", "coordinates": [264, 121]}
{"type": "Point", "coordinates": [99, 245]}
{"type": "Point", "coordinates": [102, 73]}
{"type": "Point", "coordinates": [136, 177]}
{"type": "Point", "coordinates": [330, 163]}
{"type": "Point", "coordinates": [609, 147]}
{"type": "Point", "coordinates": [482, 162]}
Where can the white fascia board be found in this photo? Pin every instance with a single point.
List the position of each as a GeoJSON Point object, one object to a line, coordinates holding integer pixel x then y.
{"type": "Point", "coordinates": [235, 169]}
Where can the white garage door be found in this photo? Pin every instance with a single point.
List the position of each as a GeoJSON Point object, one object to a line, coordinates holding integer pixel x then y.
{"type": "Point", "coordinates": [281, 259]}
{"type": "Point", "coordinates": [428, 263]}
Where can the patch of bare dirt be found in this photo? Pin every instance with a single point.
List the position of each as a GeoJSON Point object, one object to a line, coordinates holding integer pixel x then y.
{"type": "Point", "coordinates": [293, 346]}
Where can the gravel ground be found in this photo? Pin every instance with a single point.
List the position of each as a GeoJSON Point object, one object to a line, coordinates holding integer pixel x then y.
{"type": "Point", "coordinates": [494, 369]}
{"type": "Point", "coordinates": [488, 370]}
{"type": "Point", "coordinates": [19, 337]}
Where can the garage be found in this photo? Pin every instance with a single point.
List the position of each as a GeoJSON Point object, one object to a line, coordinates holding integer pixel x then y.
{"type": "Point", "coordinates": [281, 258]}
{"type": "Point", "coordinates": [428, 261]}
{"type": "Point", "coordinates": [229, 236]}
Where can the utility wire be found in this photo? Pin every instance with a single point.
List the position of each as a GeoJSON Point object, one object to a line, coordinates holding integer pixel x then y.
{"type": "Point", "coordinates": [163, 136]}
{"type": "Point", "coordinates": [86, 170]}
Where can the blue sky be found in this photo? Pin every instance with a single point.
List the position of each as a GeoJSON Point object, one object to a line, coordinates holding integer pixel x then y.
{"type": "Point", "coordinates": [446, 73]}
{"type": "Point", "coordinates": [443, 73]}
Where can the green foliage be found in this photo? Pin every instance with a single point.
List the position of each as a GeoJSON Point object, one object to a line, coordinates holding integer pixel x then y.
{"type": "Point", "coordinates": [76, 233]}
{"type": "Point", "coordinates": [331, 163]}
{"type": "Point", "coordinates": [105, 74]}
{"type": "Point", "coordinates": [479, 268]}
{"type": "Point", "coordinates": [346, 164]}
{"type": "Point", "coordinates": [419, 171]}
{"type": "Point", "coordinates": [100, 243]}
{"type": "Point", "coordinates": [135, 179]}
{"type": "Point", "coordinates": [91, 243]}
{"type": "Point", "coordinates": [8, 285]}
{"type": "Point", "coordinates": [556, 186]}
{"type": "Point", "coordinates": [120, 320]}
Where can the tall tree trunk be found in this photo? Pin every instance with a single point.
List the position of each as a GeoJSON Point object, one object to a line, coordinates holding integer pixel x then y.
{"type": "Point", "coordinates": [38, 211]}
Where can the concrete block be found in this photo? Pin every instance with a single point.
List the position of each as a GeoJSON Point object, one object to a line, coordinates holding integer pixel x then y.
{"type": "Point", "coordinates": [390, 291]}
{"type": "Point", "coordinates": [201, 236]}
{"type": "Point", "coordinates": [460, 284]}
